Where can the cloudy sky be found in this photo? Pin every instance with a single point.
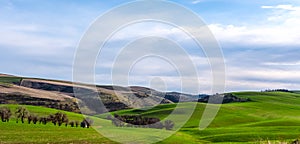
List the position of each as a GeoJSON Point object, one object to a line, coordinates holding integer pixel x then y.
{"type": "Point", "coordinates": [260, 42]}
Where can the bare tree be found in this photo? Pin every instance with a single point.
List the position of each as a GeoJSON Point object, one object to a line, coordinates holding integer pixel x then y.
{"type": "Point", "coordinates": [76, 123]}
{"type": "Point", "coordinates": [35, 119]}
{"type": "Point", "coordinates": [32, 118]}
{"type": "Point", "coordinates": [61, 118]}
{"type": "Point", "coordinates": [169, 124]}
{"type": "Point", "coordinates": [43, 120]}
{"type": "Point", "coordinates": [29, 118]}
{"type": "Point", "coordinates": [52, 119]}
{"type": "Point", "coordinates": [87, 122]}
{"type": "Point", "coordinates": [5, 114]}
{"type": "Point", "coordinates": [72, 123]}
{"type": "Point", "coordinates": [22, 113]}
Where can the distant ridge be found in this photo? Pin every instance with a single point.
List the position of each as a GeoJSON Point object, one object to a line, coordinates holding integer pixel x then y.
{"type": "Point", "coordinates": [6, 75]}
{"type": "Point", "coordinates": [59, 94]}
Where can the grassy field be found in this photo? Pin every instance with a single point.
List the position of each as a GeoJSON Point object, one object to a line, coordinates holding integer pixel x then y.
{"type": "Point", "coordinates": [12, 132]}
{"type": "Point", "coordinates": [25, 133]}
{"type": "Point", "coordinates": [270, 116]}
{"type": "Point", "coordinates": [42, 111]}
{"type": "Point", "coordinates": [10, 79]}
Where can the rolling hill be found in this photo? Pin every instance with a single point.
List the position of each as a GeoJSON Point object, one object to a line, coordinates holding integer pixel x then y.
{"type": "Point", "coordinates": [252, 117]}
{"type": "Point", "coordinates": [271, 117]}
{"type": "Point", "coordinates": [60, 95]}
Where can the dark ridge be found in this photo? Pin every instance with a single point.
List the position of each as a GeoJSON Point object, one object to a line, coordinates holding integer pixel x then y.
{"type": "Point", "coordinates": [227, 98]}
{"type": "Point", "coordinates": [19, 98]}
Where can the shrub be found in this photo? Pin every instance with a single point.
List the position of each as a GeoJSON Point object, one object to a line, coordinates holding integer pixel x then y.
{"type": "Point", "coordinates": [87, 122]}
{"type": "Point", "coordinates": [76, 123]}
{"type": "Point", "coordinates": [21, 113]}
{"type": "Point", "coordinates": [35, 119]}
{"type": "Point", "coordinates": [43, 120]}
{"type": "Point", "coordinates": [5, 114]}
{"type": "Point", "coordinates": [72, 123]}
{"type": "Point", "coordinates": [169, 124]}
{"type": "Point", "coordinates": [58, 118]}
{"type": "Point", "coordinates": [136, 121]}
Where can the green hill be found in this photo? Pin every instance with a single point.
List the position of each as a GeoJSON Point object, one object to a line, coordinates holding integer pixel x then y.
{"type": "Point", "coordinates": [12, 132]}
{"type": "Point", "coordinates": [42, 111]}
{"type": "Point", "coordinates": [270, 116]}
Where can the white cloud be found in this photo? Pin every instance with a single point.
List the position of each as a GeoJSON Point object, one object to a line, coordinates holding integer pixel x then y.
{"type": "Point", "coordinates": [280, 28]}
{"type": "Point", "coordinates": [264, 74]}
{"type": "Point", "coordinates": [36, 51]}
{"type": "Point", "coordinates": [296, 63]}
{"type": "Point", "coordinates": [171, 83]}
{"type": "Point", "coordinates": [145, 29]}
{"type": "Point", "coordinates": [241, 78]}
{"type": "Point", "coordinates": [196, 1]}
{"type": "Point", "coordinates": [35, 40]}
{"type": "Point", "coordinates": [283, 7]}
{"type": "Point", "coordinates": [238, 78]}
{"type": "Point", "coordinates": [242, 85]}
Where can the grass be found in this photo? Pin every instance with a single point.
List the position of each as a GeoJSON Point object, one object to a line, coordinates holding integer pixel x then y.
{"type": "Point", "coordinates": [24, 133]}
{"type": "Point", "coordinates": [13, 132]}
{"type": "Point", "coordinates": [269, 117]}
{"type": "Point", "coordinates": [10, 80]}
{"type": "Point", "coordinates": [42, 111]}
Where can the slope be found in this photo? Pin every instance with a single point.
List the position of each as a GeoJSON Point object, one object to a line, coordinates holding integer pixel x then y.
{"type": "Point", "coordinates": [270, 116]}
{"type": "Point", "coordinates": [43, 92]}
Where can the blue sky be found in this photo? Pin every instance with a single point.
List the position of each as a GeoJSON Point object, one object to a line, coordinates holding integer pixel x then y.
{"type": "Point", "coordinates": [260, 41]}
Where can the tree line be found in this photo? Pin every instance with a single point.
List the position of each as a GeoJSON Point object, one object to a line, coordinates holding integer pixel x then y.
{"type": "Point", "coordinates": [139, 121]}
{"type": "Point", "coordinates": [276, 90]}
{"type": "Point", "coordinates": [22, 114]}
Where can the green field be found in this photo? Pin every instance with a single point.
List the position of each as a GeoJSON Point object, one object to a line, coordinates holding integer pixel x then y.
{"type": "Point", "coordinates": [8, 81]}
{"type": "Point", "coordinates": [12, 132]}
{"type": "Point", "coordinates": [270, 116]}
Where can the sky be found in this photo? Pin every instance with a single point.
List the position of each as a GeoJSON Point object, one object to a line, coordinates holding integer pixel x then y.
{"type": "Point", "coordinates": [259, 40]}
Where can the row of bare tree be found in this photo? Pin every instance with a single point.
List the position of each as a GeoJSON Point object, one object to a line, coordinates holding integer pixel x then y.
{"type": "Point", "coordinates": [58, 118]}
{"type": "Point", "coordinates": [139, 121]}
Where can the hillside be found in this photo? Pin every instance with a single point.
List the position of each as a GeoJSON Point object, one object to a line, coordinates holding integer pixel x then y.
{"type": "Point", "coordinates": [59, 94]}
{"type": "Point", "coordinates": [245, 117]}
{"type": "Point", "coordinates": [12, 132]}
{"type": "Point", "coordinates": [270, 116]}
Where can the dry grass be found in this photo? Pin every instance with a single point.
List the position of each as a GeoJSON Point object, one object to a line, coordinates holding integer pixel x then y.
{"type": "Point", "coordinates": [34, 92]}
